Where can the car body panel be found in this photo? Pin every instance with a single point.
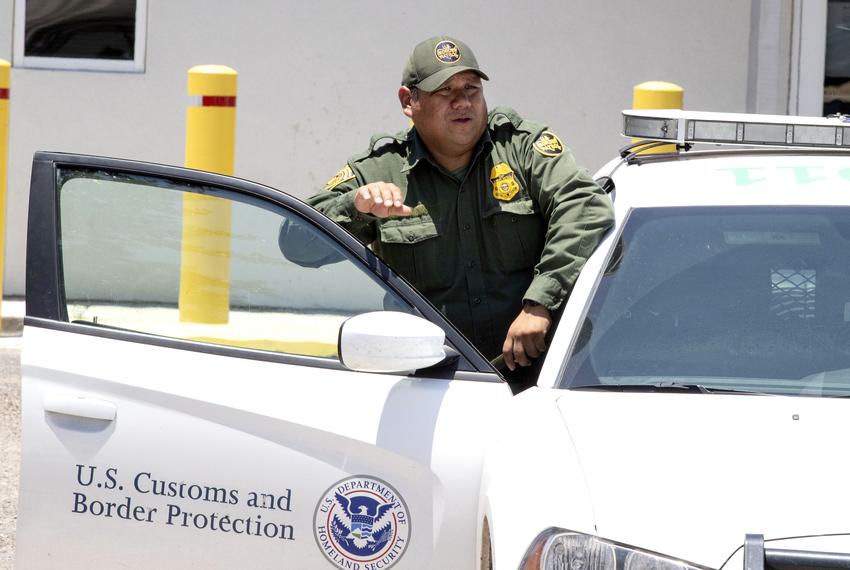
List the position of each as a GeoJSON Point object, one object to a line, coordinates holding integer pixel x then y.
{"type": "Point", "coordinates": [532, 477]}
{"type": "Point", "coordinates": [689, 475]}
{"type": "Point", "coordinates": [721, 178]}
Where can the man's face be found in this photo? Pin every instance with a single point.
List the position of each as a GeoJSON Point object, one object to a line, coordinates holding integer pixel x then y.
{"type": "Point", "coordinates": [453, 117]}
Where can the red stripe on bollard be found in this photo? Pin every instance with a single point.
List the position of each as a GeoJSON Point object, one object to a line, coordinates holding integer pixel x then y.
{"type": "Point", "coordinates": [218, 101]}
{"type": "Point", "coordinates": [4, 93]}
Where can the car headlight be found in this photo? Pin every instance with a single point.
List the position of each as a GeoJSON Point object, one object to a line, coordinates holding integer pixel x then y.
{"type": "Point", "coordinates": [559, 549]}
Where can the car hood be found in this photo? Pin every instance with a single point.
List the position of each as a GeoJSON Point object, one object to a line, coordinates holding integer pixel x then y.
{"type": "Point", "coordinates": [689, 475]}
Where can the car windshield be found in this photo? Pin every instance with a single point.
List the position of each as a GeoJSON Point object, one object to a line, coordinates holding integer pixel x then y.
{"type": "Point", "coordinates": [753, 299]}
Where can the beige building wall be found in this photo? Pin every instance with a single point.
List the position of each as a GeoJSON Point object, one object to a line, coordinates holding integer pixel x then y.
{"type": "Point", "coordinates": [318, 78]}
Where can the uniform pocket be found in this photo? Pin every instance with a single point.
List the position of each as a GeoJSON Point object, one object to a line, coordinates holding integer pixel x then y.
{"type": "Point", "coordinates": [518, 232]}
{"type": "Point", "coordinates": [411, 247]}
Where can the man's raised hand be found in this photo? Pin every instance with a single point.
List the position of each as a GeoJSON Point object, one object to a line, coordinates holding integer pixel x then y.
{"type": "Point", "coordinates": [381, 199]}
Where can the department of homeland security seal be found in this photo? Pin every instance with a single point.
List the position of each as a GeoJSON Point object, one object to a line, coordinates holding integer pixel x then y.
{"type": "Point", "coordinates": [362, 522]}
{"type": "Point", "coordinates": [447, 52]}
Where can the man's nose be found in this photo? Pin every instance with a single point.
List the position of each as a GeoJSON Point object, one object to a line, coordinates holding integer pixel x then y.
{"type": "Point", "coordinates": [461, 100]}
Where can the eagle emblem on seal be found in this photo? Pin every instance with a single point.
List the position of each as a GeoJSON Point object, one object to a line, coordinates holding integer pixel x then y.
{"type": "Point", "coordinates": [363, 519]}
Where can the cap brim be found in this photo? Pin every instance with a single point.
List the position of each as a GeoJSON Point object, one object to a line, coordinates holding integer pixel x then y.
{"type": "Point", "coordinates": [437, 79]}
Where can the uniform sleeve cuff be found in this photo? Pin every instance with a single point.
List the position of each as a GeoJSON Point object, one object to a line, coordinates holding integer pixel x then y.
{"type": "Point", "coordinates": [348, 214]}
{"type": "Point", "coordinates": [545, 291]}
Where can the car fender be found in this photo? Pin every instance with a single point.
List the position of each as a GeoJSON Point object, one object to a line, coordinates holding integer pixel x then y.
{"type": "Point", "coordinates": [532, 479]}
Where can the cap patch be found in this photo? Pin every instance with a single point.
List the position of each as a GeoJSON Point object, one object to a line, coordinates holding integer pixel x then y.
{"type": "Point", "coordinates": [548, 144]}
{"type": "Point", "coordinates": [344, 175]}
{"type": "Point", "coordinates": [505, 185]}
{"type": "Point", "coordinates": [447, 52]}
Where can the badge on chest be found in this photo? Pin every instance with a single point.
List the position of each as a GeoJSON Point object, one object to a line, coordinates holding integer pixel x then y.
{"type": "Point", "coordinates": [505, 185]}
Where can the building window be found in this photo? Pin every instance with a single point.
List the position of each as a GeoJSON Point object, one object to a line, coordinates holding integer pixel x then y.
{"type": "Point", "coordinates": [836, 95]}
{"type": "Point", "coordinates": [107, 35]}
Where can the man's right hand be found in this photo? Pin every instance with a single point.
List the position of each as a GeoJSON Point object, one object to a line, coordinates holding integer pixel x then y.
{"type": "Point", "coordinates": [381, 199]}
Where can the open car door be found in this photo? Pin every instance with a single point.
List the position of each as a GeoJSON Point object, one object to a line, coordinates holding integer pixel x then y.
{"type": "Point", "coordinates": [183, 399]}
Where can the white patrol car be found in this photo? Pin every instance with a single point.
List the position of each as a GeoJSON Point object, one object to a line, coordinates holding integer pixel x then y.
{"type": "Point", "coordinates": [688, 414]}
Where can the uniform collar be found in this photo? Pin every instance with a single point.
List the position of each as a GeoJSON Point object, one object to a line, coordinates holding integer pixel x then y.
{"type": "Point", "coordinates": [417, 150]}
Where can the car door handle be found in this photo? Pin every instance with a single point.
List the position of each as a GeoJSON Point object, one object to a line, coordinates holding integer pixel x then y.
{"type": "Point", "coordinates": [80, 406]}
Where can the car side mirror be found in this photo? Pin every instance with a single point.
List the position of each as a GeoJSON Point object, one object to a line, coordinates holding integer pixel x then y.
{"type": "Point", "coordinates": [389, 341]}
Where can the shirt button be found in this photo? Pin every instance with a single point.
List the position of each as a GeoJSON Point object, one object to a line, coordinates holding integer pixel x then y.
{"type": "Point", "coordinates": [471, 264]}
{"type": "Point", "coordinates": [466, 227]}
{"type": "Point", "coordinates": [476, 301]}
{"type": "Point", "coordinates": [513, 219]}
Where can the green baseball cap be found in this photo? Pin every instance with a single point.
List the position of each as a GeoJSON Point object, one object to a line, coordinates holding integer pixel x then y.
{"type": "Point", "coordinates": [435, 60]}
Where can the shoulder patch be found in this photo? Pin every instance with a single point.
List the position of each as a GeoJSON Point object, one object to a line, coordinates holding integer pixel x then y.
{"type": "Point", "coordinates": [344, 175]}
{"type": "Point", "coordinates": [548, 144]}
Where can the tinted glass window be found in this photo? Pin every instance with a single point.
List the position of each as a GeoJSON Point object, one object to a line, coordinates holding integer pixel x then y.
{"type": "Point", "coordinates": [754, 299]}
{"type": "Point", "coordinates": [105, 29]}
{"type": "Point", "coordinates": [204, 264]}
{"type": "Point", "coordinates": [836, 97]}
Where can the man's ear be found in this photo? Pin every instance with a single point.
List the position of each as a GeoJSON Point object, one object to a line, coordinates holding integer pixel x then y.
{"type": "Point", "coordinates": [405, 97]}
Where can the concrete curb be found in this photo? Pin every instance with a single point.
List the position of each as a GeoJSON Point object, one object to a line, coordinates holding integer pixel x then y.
{"type": "Point", "coordinates": [12, 313]}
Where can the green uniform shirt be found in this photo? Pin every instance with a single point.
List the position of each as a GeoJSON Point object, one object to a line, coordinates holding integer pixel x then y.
{"type": "Point", "coordinates": [517, 224]}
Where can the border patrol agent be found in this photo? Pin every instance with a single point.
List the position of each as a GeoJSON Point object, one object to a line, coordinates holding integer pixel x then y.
{"type": "Point", "coordinates": [486, 214]}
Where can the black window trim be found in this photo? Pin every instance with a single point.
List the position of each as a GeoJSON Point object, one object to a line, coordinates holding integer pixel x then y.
{"type": "Point", "coordinates": [44, 295]}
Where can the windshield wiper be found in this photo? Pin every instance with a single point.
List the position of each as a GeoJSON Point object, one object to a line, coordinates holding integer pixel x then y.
{"type": "Point", "coordinates": [654, 387]}
{"type": "Point", "coordinates": [680, 387]}
{"type": "Point", "coordinates": [683, 386]}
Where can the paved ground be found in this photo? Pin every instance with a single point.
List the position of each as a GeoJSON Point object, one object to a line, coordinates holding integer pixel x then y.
{"type": "Point", "coordinates": [10, 411]}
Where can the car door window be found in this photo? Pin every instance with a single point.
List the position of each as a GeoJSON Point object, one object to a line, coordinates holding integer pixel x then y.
{"type": "Point", "coordinates": [195, 262]}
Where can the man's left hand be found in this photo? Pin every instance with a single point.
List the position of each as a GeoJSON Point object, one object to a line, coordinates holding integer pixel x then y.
{"type": "Point", "coordinates": [527, 336]}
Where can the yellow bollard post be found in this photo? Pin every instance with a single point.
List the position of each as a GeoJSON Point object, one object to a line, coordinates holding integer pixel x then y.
{"type": "Point", "coordinates": [5, 83]}
{"type": "Point", "coordinates": [210, 145]}
{"type": "Point", "coordinates": [658, 95]}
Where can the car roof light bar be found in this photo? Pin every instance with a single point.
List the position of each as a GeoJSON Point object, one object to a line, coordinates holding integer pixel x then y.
{"type": "Point", "coordinates": [683, 127]}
